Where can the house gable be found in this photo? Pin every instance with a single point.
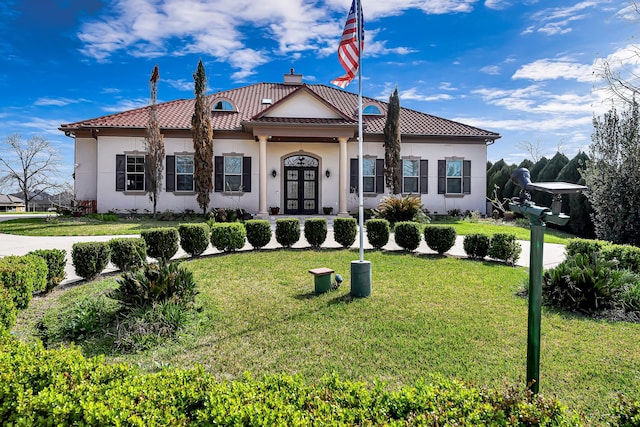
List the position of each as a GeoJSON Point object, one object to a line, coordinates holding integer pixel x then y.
{"type": "Point", "coordinates": [302, 105]}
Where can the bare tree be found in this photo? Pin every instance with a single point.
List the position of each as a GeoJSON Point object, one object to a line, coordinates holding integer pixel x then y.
{"type": "Point", "coordinates": [155, 145]}
{"type": "Point", "coordinates": [202, 133]}
{"type": "Point", "coordinates": [392, 145]}
{"type": "Point", "coordinates": [32, 165]}
{"type": "Point", "coordinates": [533, 148]}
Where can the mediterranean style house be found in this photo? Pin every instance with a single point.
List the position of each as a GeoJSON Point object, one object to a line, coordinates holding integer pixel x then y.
{"type": "Point", "coordinates": [290, 145]}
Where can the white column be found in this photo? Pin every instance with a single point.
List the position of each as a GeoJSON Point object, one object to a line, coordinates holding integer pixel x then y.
{"type": "Point", "coordinates": [262, 188]}
{"type": "Point", "coordinates": [343, 183]}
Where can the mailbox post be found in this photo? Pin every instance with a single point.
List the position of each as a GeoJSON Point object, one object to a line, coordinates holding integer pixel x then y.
{"type": "Point", "coordinates": [538, 216]}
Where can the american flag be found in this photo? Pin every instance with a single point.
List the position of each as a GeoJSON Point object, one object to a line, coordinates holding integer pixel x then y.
{"type": "Point", "coordinates": [348, 52]}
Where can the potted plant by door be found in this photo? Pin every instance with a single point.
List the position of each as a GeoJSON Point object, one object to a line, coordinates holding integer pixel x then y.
{"type": "Point", "coordinates": [274, 210]}
{"type": "Point", "coordinates": [327, 210]}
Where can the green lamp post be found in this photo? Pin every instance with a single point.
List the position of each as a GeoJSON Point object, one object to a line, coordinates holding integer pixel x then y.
{"type": "Point", "coordinates": [538, 216]}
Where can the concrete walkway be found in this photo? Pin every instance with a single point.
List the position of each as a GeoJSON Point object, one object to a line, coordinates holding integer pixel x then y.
{"type": "Point", "coordinates": [20, 245]}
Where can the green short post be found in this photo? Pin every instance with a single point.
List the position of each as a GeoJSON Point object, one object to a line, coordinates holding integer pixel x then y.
{"type": "Point", "coordinates": [360, 278]}
{"type": "Point", "coordinates": [321, 279]}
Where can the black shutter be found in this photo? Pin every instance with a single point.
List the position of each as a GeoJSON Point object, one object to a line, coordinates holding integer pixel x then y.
{"type": "Point", "coordinates": [379, 176]}
{"type": "Point", "coordinates": [424, 173]}
{"type": "Point", "coordinates": [219, 173]}
{"type": "Point", "coordinates": [466, 177]}
{"type": "Point", "coordinates": [121, 173]}
{"type": "Point", "coordinates": [442, 176]}
{"type": "Point", "coordinates": [353, 184]}
{"type": "Point", "coordinates": [170, 180]}
{"type": "Point", "coordinates": [246, 174]}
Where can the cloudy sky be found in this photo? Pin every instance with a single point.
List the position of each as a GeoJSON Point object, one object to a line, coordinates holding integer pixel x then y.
{"type": "Point", "coordinates": [526, 69]}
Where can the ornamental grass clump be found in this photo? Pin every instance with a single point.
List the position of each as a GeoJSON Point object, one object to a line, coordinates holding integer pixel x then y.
{"type": "Point", "coordinates": [397, 209]}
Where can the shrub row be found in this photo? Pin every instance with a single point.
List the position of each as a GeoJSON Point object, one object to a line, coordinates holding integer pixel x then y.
{"type": "Point", "coordinates": [20, 276]}
{"type": "Point", "coordinates": [626, 256]}
{"type": "Point", "coordinates": [68, 389]}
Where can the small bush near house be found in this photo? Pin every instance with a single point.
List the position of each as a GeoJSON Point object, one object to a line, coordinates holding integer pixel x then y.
{"type": "Point", "coordinates": [287, 231]}
{"type": "Point", "coordinates": [627, 256]}
{"type": "Point", "coordinates": [21, 276]}
{"type": "Point", "coordinates": [407, 235]}
{"type": "Point", "coordinates": [162, 243]}
{"type": "Point", "coordinates": [440, 239]}
{"type": "Point", "coordinates": [585, 246]}
{"type": "Point", "coordinates": [90, 258]}
{"type": "Point", "coordinates": [194, 238]}
{"type": "Point", "coordinates": [8, 310]}
{"type": "Point", "coordinates": [128, 253]}
{"type": "Point", "coordinates": [56, 260]}
{"type": "Point", "coordinates": [258, 232]}
{"type": "Point", "coordinates": [315, 231]}
{"type": "Point", "coordinates": [228, 236]}
{"type": "Point", "coordinates": [345, 231]}
{"type": "Point", "coordinates": [503, 246]}
{"type": "Point", "coordinates": [378, 231]}
{"type": "Point", "coordinates": [476, 245]}
{"type": "Point", "coordinates": [397, 208]}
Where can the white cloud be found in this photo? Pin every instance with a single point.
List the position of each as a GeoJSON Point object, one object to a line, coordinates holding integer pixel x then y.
{"type": "Point", "coordinates": [180, 84]}
{"type": "Point", "coordinates": [56, 102]}
{"type": "Point", "coordinates": [126, 104]}
{"type": "Point", "coordinates": [413, 94]}
{"type": "Point", "coordinates": [557, 20]}
{"type": "Point", "coordinates": [497, 4]}
{"type": "Point", "coordinates": [549, 69]}
{"type": "Point", "coordinates": [493, 70]}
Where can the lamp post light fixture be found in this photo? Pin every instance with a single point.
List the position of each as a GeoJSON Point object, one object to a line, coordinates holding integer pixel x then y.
{"type": "Point", "coordinates": [538, 216]}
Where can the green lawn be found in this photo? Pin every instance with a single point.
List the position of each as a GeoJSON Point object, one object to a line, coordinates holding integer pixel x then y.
{"type": "Point", "coordinates": [427, 316]}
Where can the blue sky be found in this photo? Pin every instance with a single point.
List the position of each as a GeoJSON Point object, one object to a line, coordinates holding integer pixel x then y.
{"type": "Point", "coordinates": [524, 69]}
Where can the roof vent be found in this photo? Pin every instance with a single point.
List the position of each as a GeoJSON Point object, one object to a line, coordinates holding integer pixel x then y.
{"type": "Point", "coordinates": [292, 78]}
{"type": "Point", "coordinates": [267, 101]}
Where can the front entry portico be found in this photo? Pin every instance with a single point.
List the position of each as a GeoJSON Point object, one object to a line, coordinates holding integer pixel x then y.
{"type": "Point", "coordinates": [301, 185]}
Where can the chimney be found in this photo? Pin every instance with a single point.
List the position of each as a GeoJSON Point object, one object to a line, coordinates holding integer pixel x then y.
{"type": "Point", "coordinates": [292, 78]}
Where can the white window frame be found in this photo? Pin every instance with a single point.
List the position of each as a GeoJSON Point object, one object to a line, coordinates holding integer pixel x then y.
{"type": "Point", "coordinates": [227, 188]}
{"type": "Point", "coordinates": [454, 177]}
{"type": "Point", "coordinates": [135, 172]}
{"type": "Point", "coordinates": [179, 173]}
{"type": "Point", "coordinates": [416, 177]}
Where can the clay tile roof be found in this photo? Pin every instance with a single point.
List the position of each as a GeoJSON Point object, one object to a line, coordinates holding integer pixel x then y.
{"type": "Point", "coordinates": [248, 100]}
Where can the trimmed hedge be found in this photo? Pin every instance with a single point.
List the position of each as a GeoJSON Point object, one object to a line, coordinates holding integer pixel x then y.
{"type": "Point", "coordinates": [162, 243]}
{"type": "Point", "coordinates": [228, 236]}
{"type": "Point", "coordinates": [21, 276]}
{"type": "Point", "coordinates": [378, 231]}
{"type": "Point", "coordinates": [56, 260]}
{"type": "Point", "coordinates": [345, 231]}
{"type": "Point", "coordinates": [585, 246]}
{"type": "Point", "coordinates": [194, 238]}
{"type": "Point", "coordinates": [62, 387]}
{"type": "Point", "coordinates": [90, 258]}
{"type": "Point", "coordinates": [476, 245]}
{"type": "Point", "coordinates": [440, 238]}
{"type": "Point", "coordinates": [627, 256]}
{"type": "Point", "coordinates": [287, 231]}
{"type": "Point", "coordinates": [315, 231]}
{"type": "Point", "coordinates": [128, 253]}
{"type": "Point", "coordinates": [407, 235]}
{"type": "Point", "coordinates": [8, 310]}
{"type": "Point", "coordinates": [503, 246]}
{"type": "Point", "coordinates": [258, 232]}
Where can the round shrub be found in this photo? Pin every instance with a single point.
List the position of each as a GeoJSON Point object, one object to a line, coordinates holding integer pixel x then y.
{"type": "Point", "coordinates": [440, 239]}
{"type": "Point", "coordinates": [56, 260]}
{"type": "Point", "coordinates": [287, 231]}
{"type": "Point", "coordinates": [476, 245]}
{"type": "Point", "coordinates": [345, 231]}
{"type": "Point", "coordinates": [503, 246]}
{"type": "Point", "coordinates": [194, 238]}
{"type": "Point", "coordinates": [228, 236]}
{"type": "Point", "coordinates": [407, 235]}
{"type": "Point", "coordinates": [315, 231]}
{"type": "Point", "coordinates": [258, 232]}
{"type": "Point", "coordinates": [162, 243]}
{"type": "Point", "coordinates": [8, 310]}
{"type": "Point", "coordinates": [90, 258]}
{"type": "Point", "coordinates": [128, 253]}
{"type": "Point", "coordinates": [21, 276]}
{"type": "Point", "coordinates": [378, 231]}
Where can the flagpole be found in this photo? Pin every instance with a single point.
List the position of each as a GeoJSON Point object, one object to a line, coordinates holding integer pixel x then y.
{"type": "Point", "coordinates": [360, 135]}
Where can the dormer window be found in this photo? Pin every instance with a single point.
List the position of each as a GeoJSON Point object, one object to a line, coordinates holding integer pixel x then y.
{"type": "Point", "coordinates": [372, 110]}
{"type": "Point", "coordinates": [223, 105]}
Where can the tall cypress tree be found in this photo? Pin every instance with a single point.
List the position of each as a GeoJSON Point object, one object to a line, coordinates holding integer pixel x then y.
{"type": "Point", "coordinates": [392, 145]}
{"type": "Point", "coordinates": [202, 134]}
{"type": "Point", "coordinates": [155, 146]}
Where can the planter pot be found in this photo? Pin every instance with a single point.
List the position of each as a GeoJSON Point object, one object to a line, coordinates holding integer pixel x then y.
{"type": "Point", "coordinates": [327, 210]}
{"type": "Point", "coordinates": [274, 210]}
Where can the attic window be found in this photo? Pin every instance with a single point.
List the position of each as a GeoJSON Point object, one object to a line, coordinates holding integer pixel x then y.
{"type": "Point", "coordinates": [267, 101]}
{"type": "Point", "coordinates": [223, 106]}
{"type": "Point", "coordinates": [372, 110]}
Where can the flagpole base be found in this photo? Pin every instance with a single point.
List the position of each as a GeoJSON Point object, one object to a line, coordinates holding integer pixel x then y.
{"type": "Point", "coordinates": [360, 278]}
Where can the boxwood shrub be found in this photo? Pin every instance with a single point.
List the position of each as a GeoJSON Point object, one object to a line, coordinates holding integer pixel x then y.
{"type": "Point", "coordinates": [56, 260]}
{"type": "Point", "coordinates": [21, 276]}
{"type": "Point", "coordinates": [8, 310]}
{"type": "Point", "coordinates": [503, 246]}
{"type": "Point", "coordinates": [585, 246]}
{"type": "Point", "coordinates": [407, 235]}
{"type": "Point", "coordinates": [194, 238]}
{"type": "Point", "coordinates": [378, 231]}
{"type": "Point", "coordinates": [90, 258]}
{"type": "Point", "coordinates": [627, 256]}
{"type": "Point", "coordinates": [228, 236]}
{"type": "Point", "coordinates": [476, 245]}
{"type": "Point", "coordinates": [345, 231]}
{"type": "Point", "coordinates": [315, 231]}
{"type": "Point", "coordinates": [162, 243]}
{"type": "Point", "coordinates": [287, 231]}
{"type": "Point", "coordinates": [128, 253]}
{"type": "Point", "coordinates": [440, 238]}
{"type": "Point", "coordinates": [258, 232]}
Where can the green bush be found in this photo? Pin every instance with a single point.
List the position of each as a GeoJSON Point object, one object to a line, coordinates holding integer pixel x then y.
{"type": "Point", "coordinates": [503, 246]}
{"type": "Point", "coordinates": [345, 231]}
{"type": "Point", "coordinates": [626, 412]}
{"type": "Point", "coordinates": [21, 276]}
{"type": "Point", "coordinates": [287, 231]}
{"type": "Point", "coordinates": [378, 231]}
{"type": "Point", "coordinates": [56, 260]}
{"type": "Point", "coordinates": [90, 258]}
{"type": "Point", "coordinates": [162, 243]}
{"type": "Point", "coordinates": [440, 238]}
{"type": "Point", "coordinates": [86, 317]}
{"type": "Point", "coordinates": [228, 236]}
{"type": "Point", "coordinates": [407, 235]}
{"type": "Point", "coordinates": [399, 209]}
{"type": "Point", "coordinates": [128, 253]}
{"type": "Point", "coordinates": [8, 310]}
{"type": "Point", "coordinates": [627, 256]}
{"type": "Point", "coordinates": [194, 238]}
{"type": "Point", "coordinates": [585, 246]}
{"type": "Point", "coordinates": [315, 231]}
{"type": "Point", "coordinates": [258, 232]}
{"type": "Point", "coordinates": [476, 245]}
